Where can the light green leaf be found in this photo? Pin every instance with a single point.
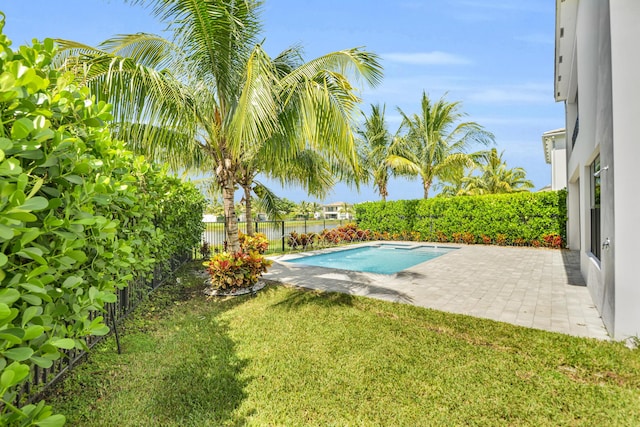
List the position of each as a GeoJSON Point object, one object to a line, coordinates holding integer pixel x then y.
{"type": "Point", "coordinates": [74, 179]}
{"type": "Point", "coordinates": [7, 379]}
{"type": "Point", "coordinates": [109, 297]}
{"type": "Point", "coordinates": [5, 144]}
{"type": "Point", "coordinates": [21, 128]}
{"type": "Point", "coordinates": [77, 255]}
{"type": "Point", "coordinates": [72, 281]}
{"type": "Point", "coordinates": [41, 361]}
{"type": "Point", "coordinates": [13, 335]}
{"type": "Point", "coordinates": [29, 313]}
{"type": "Point", "coordinates": [6, 232]}
{"type": "Point", "coordinates": [10, 167]}
{"type": "Point", "coordinates": [22, 216]}
{"type": "Point", "coordinates": [5, 311]}
{"type": "Point", "coordinates": [13, 374]}
{"type": "Point", "coordinates": [18, 354]}
{"type": "Point", "coordinates": [34, 254]}
{"type": "Point", "coordinates": [29, 236]}
{"type": "Point", "coordinates": [37, 271]}
{"type": "Point", "coordinates": [37, 203]}
{"type": "Point", "coordinates": [9, 296]}
{"type": "Point", "coordinates": [66, 343]}
{"type": "Point", "coordinates": [36, 186]}
{"type": "Point", "coordinates": [84, 221]}
{"type": "Point", "coordinates": [33, 331]}
{"type": "Point", "coordinates": [3, 259]}
{"type": "Point", "coordinates": [56, 420]}
{"type": "Point", "coordinates": [32, 299]}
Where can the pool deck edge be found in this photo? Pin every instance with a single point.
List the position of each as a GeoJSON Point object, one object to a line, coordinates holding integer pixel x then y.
{"type": "Point", "coordinates": [531, 287]}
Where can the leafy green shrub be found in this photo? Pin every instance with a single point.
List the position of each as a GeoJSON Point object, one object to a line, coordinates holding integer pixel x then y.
{"type": "Point", "coordinates": [520, 218]}
{"type": "Point", "coordinates": [80, 217]}
{"type": "Point", "coordinates": [390, 217]}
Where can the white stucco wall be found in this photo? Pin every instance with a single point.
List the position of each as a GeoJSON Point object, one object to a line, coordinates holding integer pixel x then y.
{"type": "Point", "coordinates": [606, 63]}
{"type": "Point", "coordinates": [625, 60]}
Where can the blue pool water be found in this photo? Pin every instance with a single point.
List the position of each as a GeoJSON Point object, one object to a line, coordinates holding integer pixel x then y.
{"type": "Point", "coordinates": [384, 259]}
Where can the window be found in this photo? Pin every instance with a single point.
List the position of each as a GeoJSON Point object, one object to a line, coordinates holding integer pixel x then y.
{"type": "Point", "coordinates": [595, 207]}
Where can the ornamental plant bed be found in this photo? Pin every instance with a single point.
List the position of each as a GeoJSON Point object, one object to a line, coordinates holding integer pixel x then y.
{"type": "Point", "coordinates": [238, 273]}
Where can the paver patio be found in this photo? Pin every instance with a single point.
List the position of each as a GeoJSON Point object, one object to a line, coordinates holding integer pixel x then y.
{"type": "Point", "coordinates": [536, 288]}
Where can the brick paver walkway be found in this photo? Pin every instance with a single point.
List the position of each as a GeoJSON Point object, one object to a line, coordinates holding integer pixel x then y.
{"type": "Point", "coordinates": [536, 288]}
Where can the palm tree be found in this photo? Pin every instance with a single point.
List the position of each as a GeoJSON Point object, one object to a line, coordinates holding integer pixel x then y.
{"type": "Point", "coordinates": [495, 177]}
{"type": "Point", "coordinates": [452, 181]}
{"type": "Point", "coordinates": [346, 210]}
{"type": "Point", "coordinates": [434, 141]}
{"type": "Point", "coordinates": [212, 97]}
{"type": "Point", "coordinates": [375, 144]}
{"type": "Point", "coordinates": [303, 209]}
{"type": "Point", "coordinates": [316, 208]}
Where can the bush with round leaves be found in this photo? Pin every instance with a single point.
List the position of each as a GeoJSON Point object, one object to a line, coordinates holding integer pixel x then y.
{"type": "Point", "coordinates": [80, 217]}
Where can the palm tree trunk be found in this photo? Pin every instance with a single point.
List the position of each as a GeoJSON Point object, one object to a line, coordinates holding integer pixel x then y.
{"type": "Point", "coordinates": [426, 185]}
{"type": "Point", "coordinates": [231, 222]}
{"type": "Point", "coordinates": [248, 212]}
{"type": "Point", "coordinates": [383, 191]}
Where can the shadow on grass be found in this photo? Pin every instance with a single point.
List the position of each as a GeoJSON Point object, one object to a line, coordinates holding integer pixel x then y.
{"type": "Point", "coordinates": [206, 388]}
{"type": "Point", "coordinates": [319, 298]}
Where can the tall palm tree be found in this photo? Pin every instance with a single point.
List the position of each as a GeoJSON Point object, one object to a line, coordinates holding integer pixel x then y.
{"type": "Point", "coordinates": [452, 182]}
{"type": "Point", "coordinates": [303, 209]}
{"type": "Point", "coordinates": [375, 144]}
{"type": "Point", "coordinates": [316, 209]}
{"type": "Point", "coordinates": [434, 140]}
{"type": "Point", "coordinates": [495, 177]}
{"type": "Point", "coordinates": [212, 97]}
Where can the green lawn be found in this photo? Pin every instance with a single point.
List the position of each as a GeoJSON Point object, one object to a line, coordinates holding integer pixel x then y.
{"type": "Point", "coordinates": [291, 358]}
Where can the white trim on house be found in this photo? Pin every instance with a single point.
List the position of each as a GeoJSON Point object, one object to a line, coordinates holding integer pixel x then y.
{"type": "Point", "coordinates": [554, 144]}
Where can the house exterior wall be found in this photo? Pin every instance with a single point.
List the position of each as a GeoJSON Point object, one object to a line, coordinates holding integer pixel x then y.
{"type": "Point", "coordinates": [558, 169]}
{"type": "Point", "coordinates": [602, 99]}
{"type": "Point", "coordinates": [625, 69]}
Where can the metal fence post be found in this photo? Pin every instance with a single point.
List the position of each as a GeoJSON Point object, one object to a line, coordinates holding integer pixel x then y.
{"type": "Point", "coordinates": [283, 236]}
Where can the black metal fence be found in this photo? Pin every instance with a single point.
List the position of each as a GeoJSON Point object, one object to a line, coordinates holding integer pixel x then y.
{"type": "Point", "coordinates": [277, 232]}
{"type": "Point", "coordinates": [128, 299]}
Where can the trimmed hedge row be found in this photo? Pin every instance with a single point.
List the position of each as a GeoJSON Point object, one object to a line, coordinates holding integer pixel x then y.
{"type": "Point", "coordinates": [512, 219]}
{"type": "Point", "coordinates": [80, 217]}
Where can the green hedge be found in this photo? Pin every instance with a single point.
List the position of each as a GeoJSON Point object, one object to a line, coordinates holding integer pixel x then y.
{"type": "Point", "coordinates": [80, 217]}
{"type": "Point", "coordinates": [391, 217]}
{"type": "Point", "coordinates": [517, 218]}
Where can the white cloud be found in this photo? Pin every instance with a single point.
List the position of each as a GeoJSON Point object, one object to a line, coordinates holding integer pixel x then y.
{"type": "Point", "coordinates": [510, 121]}
{"type": "Point", "coordinates": [426, 58]}
{"type": "Point", "coordinates": [527, 93]}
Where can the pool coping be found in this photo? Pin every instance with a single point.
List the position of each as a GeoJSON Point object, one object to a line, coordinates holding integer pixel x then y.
{"type": "Point", "coordinates": [533, 287]}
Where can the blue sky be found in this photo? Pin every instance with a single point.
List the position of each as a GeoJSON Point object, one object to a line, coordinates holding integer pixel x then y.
{"type": "Point", "coordinates": [495, 56]}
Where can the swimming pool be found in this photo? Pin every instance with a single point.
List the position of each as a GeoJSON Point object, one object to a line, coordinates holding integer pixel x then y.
{"type": "Point", "coordinates": [383, 259]}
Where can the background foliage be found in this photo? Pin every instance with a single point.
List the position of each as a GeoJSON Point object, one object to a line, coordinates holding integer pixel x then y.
{"type": "Point", "coordinates": [519, 218]}
{"type": "Point", "coordinates": [80, 217]}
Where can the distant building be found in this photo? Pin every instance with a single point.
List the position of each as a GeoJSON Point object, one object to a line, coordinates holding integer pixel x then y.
{"type": "Point", "coordinates": [597, 64]}
{"type": "Point", "coordinates": [554, 143]}
{"type": "Point", "coordinates": [209, 218]}
{"type": "Point", "coordinates": [337, 210]}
